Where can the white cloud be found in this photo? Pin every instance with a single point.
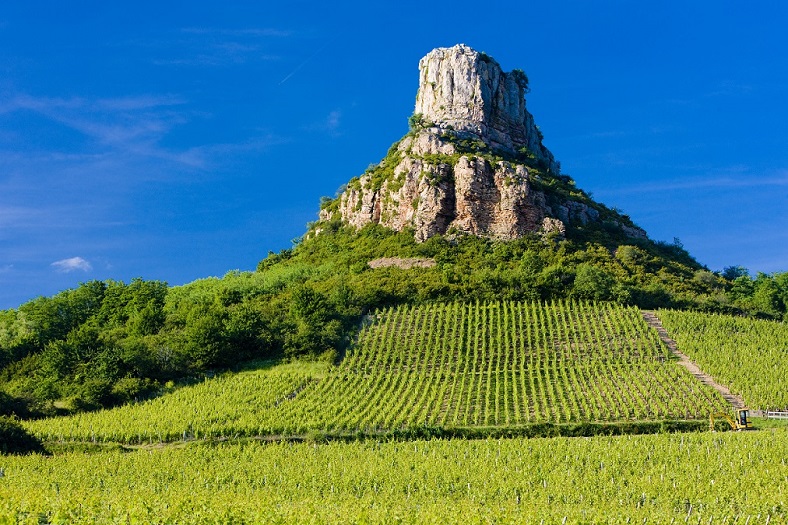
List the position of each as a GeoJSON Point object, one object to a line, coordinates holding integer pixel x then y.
{"type": "Point", "coordinates": [332, 121]}
{"type": "Point", "coordinates": [330, 124]}
{"type": "Point", "coordinates": [733, 177]}
{"type": "Point", "coordinates": [72, 264]}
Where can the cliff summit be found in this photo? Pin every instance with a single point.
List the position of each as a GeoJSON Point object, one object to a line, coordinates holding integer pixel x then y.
{"type": "Point", "coordinates": [467, 91]}
{"type": "Point", "coordinates": [473, 162]}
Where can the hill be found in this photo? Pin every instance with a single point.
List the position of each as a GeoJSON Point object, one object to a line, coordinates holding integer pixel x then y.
{"type": "Point", "coordinates": [462, 288]}
{"type": "Point", "coordinates": [492, 368]}
{"type": "Point", "coordinates": [471, 190]}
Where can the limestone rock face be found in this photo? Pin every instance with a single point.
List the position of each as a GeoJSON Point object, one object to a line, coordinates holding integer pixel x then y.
{"type": "Point", "coordinates": [474, 164]}
{"type": "Point", "coordinates": [467, 90]}
{"type": "Point", "coordinates": [495, 200]}
{"type": "Point", "coordinates": [473, 195]}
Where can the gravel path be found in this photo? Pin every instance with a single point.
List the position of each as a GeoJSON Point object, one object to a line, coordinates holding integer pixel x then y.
{"type": "Point", "coordinates": [653, 321]}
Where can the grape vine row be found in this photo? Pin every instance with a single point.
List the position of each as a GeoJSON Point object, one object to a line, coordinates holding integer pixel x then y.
{"type": "Point", "coordinates": [446, 365]}
{"type": "Point", "coordinates": [664, 478]}
{"type": "Point", "coordinates": [749, 356]}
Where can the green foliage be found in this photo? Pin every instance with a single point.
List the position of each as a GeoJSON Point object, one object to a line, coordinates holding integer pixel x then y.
{"type": "Point", "coordinates": [330, 205]}
{"type": "Point", "coordinates": [316, 329]}
{"type": "Point", "coordinates": [11, 406]}
{"type": "Point", "coordinates": [274, 258]}
{"type": "Point", "coordinates": [766, 296]}
{"type": "Point", "coordinates": [417, 122]}
{"type": "Point", "coordinates": [593, 283]}
{"type": "Point", "coordinates": [731, 273]}
{"type": "Point", "coordinates": [750, 356]}
{"type": "Point", "coordinates": [617, 480]}
{"type": "Point", "coordinates": [382, 172]}
{"type": "Point", "coordinates": [203, 339]}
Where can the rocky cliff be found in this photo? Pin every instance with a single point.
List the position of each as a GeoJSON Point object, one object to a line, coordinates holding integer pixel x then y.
{"type": "Point", "coordinates": [473, 162]}
{"type": "Point", "coordinates": [467, 91]}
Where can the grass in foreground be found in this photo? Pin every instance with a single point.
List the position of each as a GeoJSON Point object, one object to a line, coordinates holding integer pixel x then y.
{"type": "Point", "coordinates": [723, 477]}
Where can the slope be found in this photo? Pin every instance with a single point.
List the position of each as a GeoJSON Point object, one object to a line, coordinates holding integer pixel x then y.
{"type": "Point", "coordinates": [750, 356]}
{"type": "Point", "coordinates": [500, 365]}
{"type": "Point", "coordinates": [654, 322]}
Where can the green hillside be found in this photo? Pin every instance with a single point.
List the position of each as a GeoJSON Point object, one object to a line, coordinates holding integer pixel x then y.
{"type": "Point", "coordinates": [444, 366]}
{"type": "Point", "coordinates": [109, 343]}
{"type": "Point", "coordinates": [750, 356]}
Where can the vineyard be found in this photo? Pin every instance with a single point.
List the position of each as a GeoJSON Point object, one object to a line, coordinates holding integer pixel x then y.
{"type": "Point", "coordinates": [499, 364]}
{"type": "Point", "coordinates": [665, 478]}
{"type": "Point", "coordinates": [228, 405]}
{"type": "Point", "coordinates": [456, 365]}
{"type": "Point", "coordinates": [750, 356]}
{"type": "Point", "coordinates": [503, 364]}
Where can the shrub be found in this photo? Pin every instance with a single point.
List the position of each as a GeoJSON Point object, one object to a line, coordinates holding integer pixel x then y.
{"type": "Point", "coordinates": [14, 439]}
{"type": "Point", "coordinates": [593, 283]}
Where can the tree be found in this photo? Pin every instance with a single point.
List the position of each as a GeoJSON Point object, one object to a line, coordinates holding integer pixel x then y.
{"type": "Point", "coordinates": [593, 283]}
{"type": "Point", "coordinates": [417, 122]}
{"type": "Point", "coordinates": [314, 327]}
{"type": "Point", "coordinates": [731, 273]}
{"type": "Point", "coordinates": [203, 340]}
{"type": "Point", "coordinates": [766, 296]}
{"type": "Point", "coordinates": [247, 333]}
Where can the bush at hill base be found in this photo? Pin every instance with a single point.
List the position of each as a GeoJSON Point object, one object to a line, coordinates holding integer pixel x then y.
{"type": "Point", "coordinates": [14, 439]}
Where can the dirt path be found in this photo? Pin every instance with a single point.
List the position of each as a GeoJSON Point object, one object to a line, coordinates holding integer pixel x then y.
{"type": "Point", "coordinates": [654, 322]}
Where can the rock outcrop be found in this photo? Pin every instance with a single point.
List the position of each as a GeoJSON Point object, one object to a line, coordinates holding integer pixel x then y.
{"type": "Point", "coordinates": [473, 162]}
{"type": "Point", "coordinates": [467, 91]}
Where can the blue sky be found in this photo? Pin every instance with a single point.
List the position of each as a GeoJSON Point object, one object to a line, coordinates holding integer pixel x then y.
{"type": "Point", "coordinates": [179, 140]}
